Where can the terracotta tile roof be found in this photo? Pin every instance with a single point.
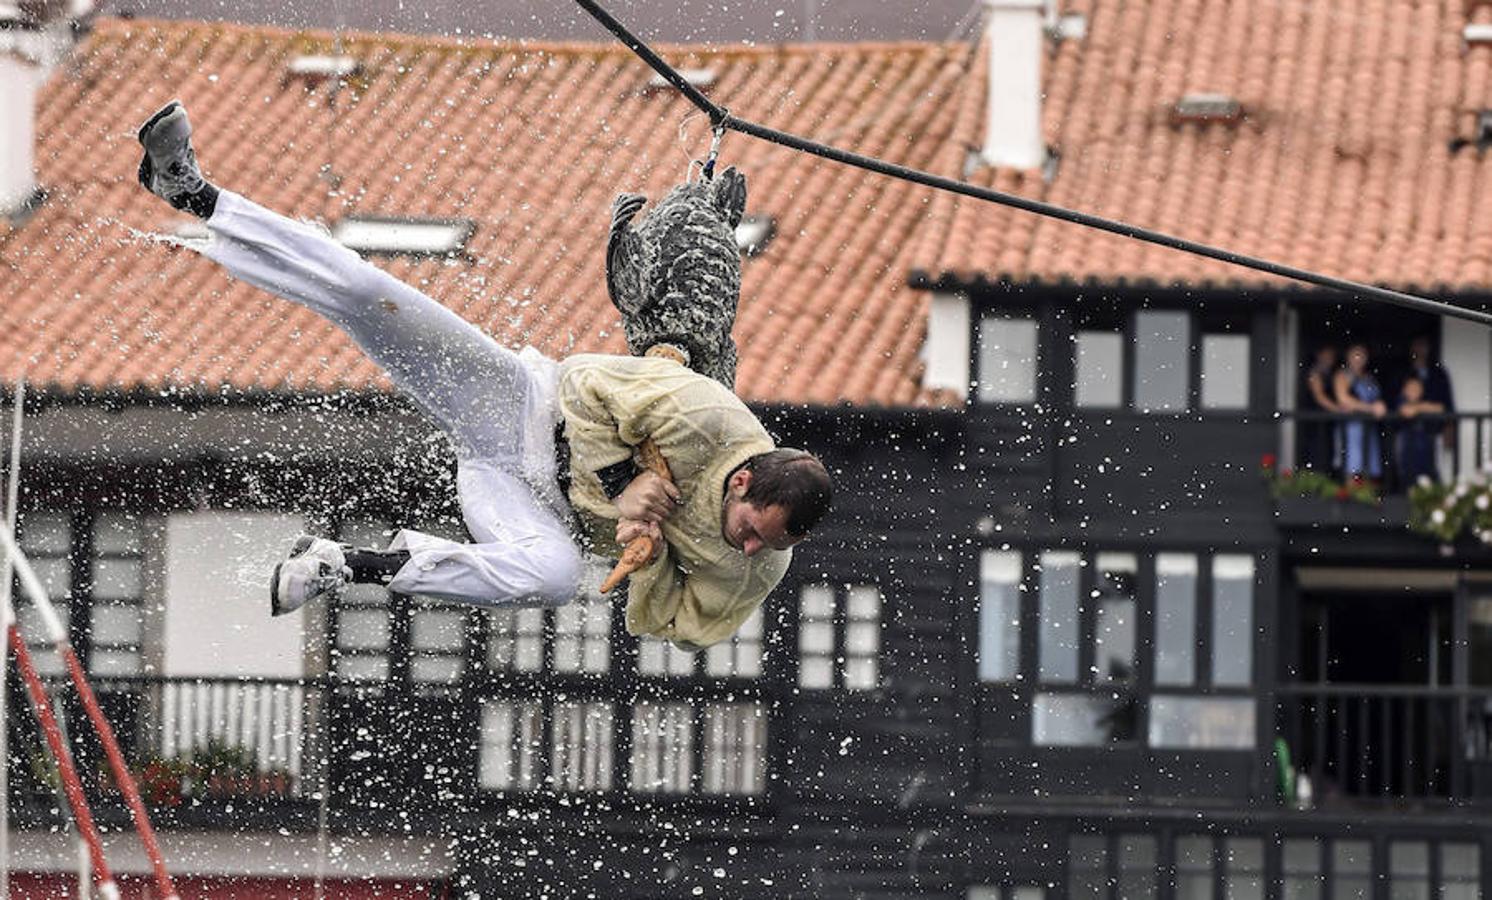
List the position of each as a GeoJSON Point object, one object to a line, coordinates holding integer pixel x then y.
{"type": "Point", "coordinates": [1342, 163]}
{"type": "Point", "coordinates": [530, 141]}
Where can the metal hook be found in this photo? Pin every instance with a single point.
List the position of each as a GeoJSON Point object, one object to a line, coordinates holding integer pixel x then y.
{"type": "Point", "coordinates": [720, 129]}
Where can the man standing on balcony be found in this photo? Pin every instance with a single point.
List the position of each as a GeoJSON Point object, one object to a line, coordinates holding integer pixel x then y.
{"type": "Point", "coordinates": [1437, 392]}
{"type": "Point", "coordinates": [724, 532]}
{"type": "Point", "coordinates": [1431, 374]}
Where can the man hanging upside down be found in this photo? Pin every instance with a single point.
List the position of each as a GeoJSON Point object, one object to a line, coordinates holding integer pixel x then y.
{"type": "Point", "coordinates": [723, 527]}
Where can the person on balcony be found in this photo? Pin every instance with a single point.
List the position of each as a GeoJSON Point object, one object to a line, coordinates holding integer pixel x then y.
{"type": "Point", "coordinates": [1318, 437]}
{"type": "Point", "coordinates": [1431, 374]}
{"type": "Point", "coordinates": [1418, 442]}
{"type": "Point", "coordinates": [1437, 382]}
{"type": "Point", "coordinates": [1358, 393]}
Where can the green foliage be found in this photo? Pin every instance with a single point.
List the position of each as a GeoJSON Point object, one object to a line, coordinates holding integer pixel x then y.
{"type": "Point", "coordinates": [1447, 512]}
{"type": "Point", "coordinates": [1310, 483]}
{"type": "Point", "coordinates": [217, 769]}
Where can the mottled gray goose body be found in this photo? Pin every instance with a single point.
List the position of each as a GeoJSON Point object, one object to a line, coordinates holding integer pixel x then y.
{"type": "Point", "coordinates": [676, 274]}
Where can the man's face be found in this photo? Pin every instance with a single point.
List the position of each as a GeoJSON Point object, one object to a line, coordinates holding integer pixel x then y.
{"type": "Point", "coordinates": [749, 528]}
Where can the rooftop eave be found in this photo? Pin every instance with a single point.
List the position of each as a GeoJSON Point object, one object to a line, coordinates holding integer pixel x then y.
{"type": "Point", "coordinates": [1477, 297]}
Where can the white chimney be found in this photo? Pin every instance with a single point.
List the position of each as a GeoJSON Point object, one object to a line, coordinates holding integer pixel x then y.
{"type": "Point", "coordinates": [35, 35]}
{"type": "Point", "coordinates": [1016, 34]}
{"type": "Point", "coordinates": [19, 79]}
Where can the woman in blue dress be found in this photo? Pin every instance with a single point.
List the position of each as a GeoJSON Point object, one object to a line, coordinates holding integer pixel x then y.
{"type": "Point", "coordinates": [1358, 393]}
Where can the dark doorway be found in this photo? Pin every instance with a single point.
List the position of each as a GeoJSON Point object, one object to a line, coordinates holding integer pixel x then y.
{"type": "Point", "coordinates": [1374, 713]}
{"type": "Point", "coordinates": [1356, 638]}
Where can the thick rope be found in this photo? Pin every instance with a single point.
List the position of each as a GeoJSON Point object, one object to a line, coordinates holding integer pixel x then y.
{"type": "Point", "coordinates": [720, 119]}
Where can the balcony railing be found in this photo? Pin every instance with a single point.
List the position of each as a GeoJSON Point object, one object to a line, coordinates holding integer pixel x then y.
{"type": "Point", "coordinates": [189, 739]}
{"type": "Point", "coordinates": [1389, 742]}
{"type": "Point", "coordinates": [1392, 451]}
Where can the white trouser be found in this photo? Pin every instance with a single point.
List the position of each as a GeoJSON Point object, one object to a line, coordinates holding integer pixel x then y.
{"type": "Point", "coordinates": [497, 406]}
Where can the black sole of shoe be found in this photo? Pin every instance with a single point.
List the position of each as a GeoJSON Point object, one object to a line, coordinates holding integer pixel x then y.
{"type": "Point", "coordinates": [159, 115]}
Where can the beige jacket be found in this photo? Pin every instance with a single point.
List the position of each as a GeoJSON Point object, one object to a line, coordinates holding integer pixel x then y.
{"type": "Point", "coordinates": [700, 589]}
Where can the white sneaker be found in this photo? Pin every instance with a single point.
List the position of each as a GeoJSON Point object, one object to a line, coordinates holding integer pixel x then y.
{"type": "Point", "coordinates": [316, 568]}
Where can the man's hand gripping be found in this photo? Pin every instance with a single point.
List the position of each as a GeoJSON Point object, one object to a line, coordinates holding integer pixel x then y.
{"type": "Point", "coordinates": [643, 506]}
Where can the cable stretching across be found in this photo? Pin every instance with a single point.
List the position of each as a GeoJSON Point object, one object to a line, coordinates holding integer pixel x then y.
{"type": "Point", "coordinates": [719, 117]}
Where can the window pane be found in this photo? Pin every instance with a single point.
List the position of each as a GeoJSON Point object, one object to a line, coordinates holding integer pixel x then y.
{"type": "Point", "coordinates": [582, 637]}
{"type": "Point", "coordinates": [815, 672]}
{"type": "Point", "coordinates": [511, 734]}
{"type": "Point", "coordinates": [436, 669]}
{"type": "Point", "coordinates": [1232, 620]}
{"type": "Point", "coordinates": [1225, 371]}
{"type": "Point", "coordinates": [116, 534]}
{"type": "Point", "coordinates": [662, 748]}
{"type": "Point", "coordinates": [999, 615]}
{"type": "Point", "coordinates": [1460, 861]}
{"type": "Point", "coordinates": [363, 668]}
{"type": "Point", "coordinates": [1099, 361]}
{"type": "Point", "coordinates": [1409, 870]}
{"type": "Point", "coordinates": [1301, 862]}
{"type": "Point", "coordinates": [1114, 618]}
{"type": "Point", "coordinates": [1007, 360]}
{"type": "Point", "coordinates": [1162, 361]}
{"type": "Point", "coordinates": [114, 662]}
{"type": "Point", "coordinates": [116, 579]}
{"type": "Point", "coordinates": [864, 603]}
{"type": "Point", "coordinates": [1059, 616]}
{"type": "Point", "coordinates": [862, 638]}
{"type": "Point", "coordinates": [56, 576]}
{"type": "Point", "coordinates": [1194, 868]}
{"type": "Point", "coordinates": [1201, 723]}
{"type": "Point", "coordinates": [580, 747]}
{"type": "Point", "coordinates": [816, 602]}
{"type": "Point", "coordinates": [1243, 869]}
{"type": "Point", "coordinates": [363, 629]}
{"type": "Point", "coordinates": [741, 655]}
{"type": "Point", "coordinates": [47, 660]}
{"type": "Point", "coordinates": [438, 630]}
{"type": "Point", "coordinates": [1080, 720]}
{"type": "Point", "coordinates": [658, 658]}
{"type": "Point", "coordinates": [816, 636]}
{"type": "Point", "coordinates": [116, 625]}
{"type": "Point", "coordinates": [860, 673]}
{"type": "Point", "coordinates": [1175, 618]}
{"type": "Point", "coordinates": [1460, 872]}
{"type": "Point", "coordinates": [1352, 870]}
{"type": "Point", "coordinates": [1087, 864]}
{"type": "Point", "coordinates": [1136, 866]}
{"type": "Point", "coordinates": [1479, 636]}
{"type": "Point", "coordinates": [735, 748]}
{"type": "Point", "coordinates": [516, 641]}
{"type": "Point", "coordinates": [46, 533]}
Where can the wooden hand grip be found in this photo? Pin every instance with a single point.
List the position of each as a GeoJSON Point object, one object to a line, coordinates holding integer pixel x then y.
{"type": "Point", "coordinates": [639, 551]}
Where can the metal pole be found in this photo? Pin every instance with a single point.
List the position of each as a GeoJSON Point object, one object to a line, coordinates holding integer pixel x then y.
{"type": "Point", "coordinates": [12, 514]}
{"type": "Point", "coordinates": [57, 634]}
{"type": "Point", "coordinates": [72, 786]}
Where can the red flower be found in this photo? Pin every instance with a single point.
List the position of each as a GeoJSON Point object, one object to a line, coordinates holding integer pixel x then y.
{"type": "Point", "coordinates": [1268, 460]}
{"type": "Point", "coordinates": [1343, 493]}
{"type": "Point", "coordinates": [1287, 473]}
